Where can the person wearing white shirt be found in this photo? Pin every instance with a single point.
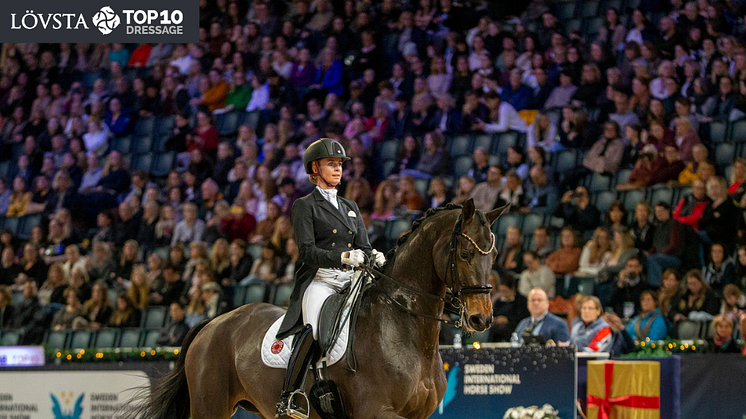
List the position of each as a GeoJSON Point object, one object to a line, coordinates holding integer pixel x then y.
{"type": "Point", "coordinates": [507, 116]}
{"type": "Point", "coordinates": [96, 139]}
{"type": "Point", "coordinates": [260, 95]}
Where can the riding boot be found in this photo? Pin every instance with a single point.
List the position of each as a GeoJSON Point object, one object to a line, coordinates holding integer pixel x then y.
{"type": "Point", "coordinates": [305, 353]}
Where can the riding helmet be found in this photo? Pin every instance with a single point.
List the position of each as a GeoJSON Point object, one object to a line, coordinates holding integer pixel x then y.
{"type": "Point", "coordinates": [322, 149]}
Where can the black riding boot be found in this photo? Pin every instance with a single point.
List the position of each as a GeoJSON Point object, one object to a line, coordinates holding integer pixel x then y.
{"type": "Point", "coordinates": [305, 352]}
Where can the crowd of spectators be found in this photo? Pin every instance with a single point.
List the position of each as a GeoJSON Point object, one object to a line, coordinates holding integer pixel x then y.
{"type": "Point", "coordinates": [164, 175]}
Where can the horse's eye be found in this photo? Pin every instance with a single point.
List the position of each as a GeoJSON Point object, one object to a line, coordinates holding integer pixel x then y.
{"type": "Point", "coordinates": [464, 255]}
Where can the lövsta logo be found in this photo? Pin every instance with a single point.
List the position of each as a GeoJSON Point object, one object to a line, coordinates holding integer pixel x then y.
{"type": "Point", "coordinates": [106, 20]}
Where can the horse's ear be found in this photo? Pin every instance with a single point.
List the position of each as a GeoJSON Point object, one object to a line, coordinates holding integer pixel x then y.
{"type": "Point", "coordinates": [468, 211]}
{"type": "Point", "coordinates": [493, 215]}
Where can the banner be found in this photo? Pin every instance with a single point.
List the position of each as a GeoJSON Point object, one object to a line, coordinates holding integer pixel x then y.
{"type": "Point", "coordinates": [496, 379]}
{"type": "Point", "coordinates": [712, 386]}
{"type": "Point", "coordinates": [68, 394]}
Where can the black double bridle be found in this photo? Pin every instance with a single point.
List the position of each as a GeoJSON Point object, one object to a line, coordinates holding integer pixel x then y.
{"type": "Point", "coordinates": [452, 303]}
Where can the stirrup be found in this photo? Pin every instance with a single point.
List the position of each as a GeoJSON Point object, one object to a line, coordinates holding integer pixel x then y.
{"type": "Point", "coordinates": [288, 409]}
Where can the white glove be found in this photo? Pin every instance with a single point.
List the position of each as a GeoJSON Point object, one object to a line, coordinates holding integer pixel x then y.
{"type": "Point", "coordinates": [379, 257]}
{"type": "Point", "coordinates": [353, 258]}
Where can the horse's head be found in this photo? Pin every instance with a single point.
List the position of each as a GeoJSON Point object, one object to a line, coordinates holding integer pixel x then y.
{"type": "Point", "coordinates": [471, 255]}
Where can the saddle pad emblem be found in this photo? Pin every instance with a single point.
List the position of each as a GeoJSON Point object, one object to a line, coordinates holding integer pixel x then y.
{"type": "Point", "coordinates": [277, 347]}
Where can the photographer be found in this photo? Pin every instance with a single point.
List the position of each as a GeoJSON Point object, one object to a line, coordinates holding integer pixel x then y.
{"type": "Point", "coordinates": [625, 297]}
{"type": "Point", "coordinates": [577, 211]}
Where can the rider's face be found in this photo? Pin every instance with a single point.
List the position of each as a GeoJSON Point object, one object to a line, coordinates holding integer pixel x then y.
{"type": "Point", "coordinates": [330, 170]}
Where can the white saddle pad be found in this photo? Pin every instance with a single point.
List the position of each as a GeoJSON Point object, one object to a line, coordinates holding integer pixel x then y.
{"type": "Point", "coordinates": [276, 353]}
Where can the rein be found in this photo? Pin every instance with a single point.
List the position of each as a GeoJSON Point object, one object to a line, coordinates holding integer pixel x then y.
{"type": "Point", "coordinates": [456, 288]}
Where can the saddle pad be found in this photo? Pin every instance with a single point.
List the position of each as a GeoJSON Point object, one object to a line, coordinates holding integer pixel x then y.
{"type": "Point", "coordinates": [276, 353]}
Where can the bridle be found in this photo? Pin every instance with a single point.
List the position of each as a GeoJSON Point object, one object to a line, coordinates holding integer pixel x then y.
{"type": "Point", "coordinates": [455, 289]}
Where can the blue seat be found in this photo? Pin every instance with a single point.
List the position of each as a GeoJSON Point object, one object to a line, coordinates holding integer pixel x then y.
{"type": "Point", "coordinates": [504, 141]}
{"type": "Point", "coordinates": [389, 150]}
{"type": "Point", "coordinates": [5, 169]}
{"type": "Point", "coordinates": [151, 338]}
{"type": "Point", "coordinates": [622, 176]}
{"type": "Point", "coordinates": [588, 9]}
{"type": "Point", "coordinates": [531, 222]}
{"type": "Point", "coordinates": [604, 199]}
{"type": "Point", "coordinates": [145, 127]}
{"type": "Point", "coordinates": [631, 198]}
{"type": "Point", "coordinates": [10, 338]}
{"type": "Point", "coordinates": [725, 153]}
{"type": "Point", "coordinates": [26, 224]}
{"type": "Point", "coordinates": [388, 167]}
{"type": "Point", "coordinates": [122, 144]}
{"type": "Point", "coordinates": [130, 338]}
{"type": "Point", "coordinates": [164, 126]}
{"type": "Point", "coordinates": [227, 123]}
{"type": "Point", "coordinates": [81, 339]}
{"type": "Point", "coordinates": [738, 131]}
{"type": "Point", "coordinates": [599, 182]}
{"type": "Point", "coordinates": [718, 131]}
{"type": "Point", "coordinates": [154, 317]}
{"type": "Point", "coordinates": [565, 10]}
{"type": "Point", "coordinates": [12, 223]}
{"type": "Point", "coordinates": [239, 291]}
{"type": "Point", "coordinates": [484, 141]}
{"type": "Point", "coordinates": [143, 162]}
{"type": "Point", "coordinates": [462, 165]}
{"type": "Point", "coordinates": [592, 25]}
{"type": "Point", "coordinates": [505, 221]}
{"type": "Point", "coordinates": [574, 24]}
{"type": "Point", "coordinates": [163, 164]}
{"type": "Point", "coordinates": [57, 339]}
{"type": "Point", "coordinates": [255, 250]}
{"type": "Point", "coordinates": [282, 295]}
{"type": "Point", "coordinates": [255, 293]}
{"type": "Point", "coordinates": [422, 186]}
{"type": "Point", "coordinates": [565, 160]}
{"type": "Point", "coordinates": [142, 144]}
{"type": "Point", "coordinates": [460, 146]}
{"type": "Point", "coordinates": [106, 338]}
{"type": "Point", "coordinates": [661, 194]}
{"type": "Point", "coordinates": [394, 229]}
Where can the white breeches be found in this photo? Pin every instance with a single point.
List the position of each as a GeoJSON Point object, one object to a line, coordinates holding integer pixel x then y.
{"type": "Point", "coordinates": [326, 283]}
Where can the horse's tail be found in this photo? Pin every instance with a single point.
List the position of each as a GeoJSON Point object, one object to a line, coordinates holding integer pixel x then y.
{"type": "Point", "coordinates": [170, 397]}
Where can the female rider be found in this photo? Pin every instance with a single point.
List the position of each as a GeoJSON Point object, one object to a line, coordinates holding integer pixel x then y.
{"type": "Point", "coordinates": [332, 240]}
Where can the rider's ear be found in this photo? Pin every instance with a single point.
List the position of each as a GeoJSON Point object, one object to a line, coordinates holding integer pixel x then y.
{"type": "Point", "coordinates": [468, 211]}
{"type": "Point", "coordinates": [493, 215]}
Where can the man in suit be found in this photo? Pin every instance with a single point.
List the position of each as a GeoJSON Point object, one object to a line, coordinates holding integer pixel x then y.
{"type": "Point", "coordinates": [542, 322]}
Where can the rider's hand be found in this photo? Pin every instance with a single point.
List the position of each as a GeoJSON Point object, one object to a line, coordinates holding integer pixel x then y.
{"type": "Point", "coordinates": [353, 258]}
{"type": "Point", "coordinates": [379, 257]}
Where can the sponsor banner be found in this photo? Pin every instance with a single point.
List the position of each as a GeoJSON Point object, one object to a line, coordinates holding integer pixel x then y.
{"type": "Point", "coordinates": [69, 394]}
{"type": "Point", "coordinates": [494, 380]}
{"type": "Point", "coordinates": [21, 356]}
{"type": "Point", "coordinates": [121, 21]}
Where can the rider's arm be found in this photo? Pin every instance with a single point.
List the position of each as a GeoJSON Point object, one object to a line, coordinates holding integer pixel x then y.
{"type": "Point", "coordinates": [303, 230]}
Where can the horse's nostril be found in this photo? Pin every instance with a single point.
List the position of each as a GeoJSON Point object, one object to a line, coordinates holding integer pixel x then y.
{"type": "Point", "coordinates": [477, 321]}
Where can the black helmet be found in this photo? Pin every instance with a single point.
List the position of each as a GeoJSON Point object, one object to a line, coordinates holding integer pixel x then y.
{"type": "Point", "coordinates": [323, 149]}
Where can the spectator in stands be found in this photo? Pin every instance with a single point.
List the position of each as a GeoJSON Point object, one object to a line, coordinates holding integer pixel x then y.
{"type": "Point", "coordinates": [541, 322]}
{"type": "Point", "coordinates": [19, 198]}
{"type": "Point", "coordinates": [650, 324]}
{"type": "Point", "coordinates": [666, 250]}
{"type": "Point", "coordinates": [733, 302]}
{"type": "Point", "coordinates": [190, 228]}
{"type": "Point", "coordinates": [97, 311]}
{"type": "Point", "coordinates": [175, 331]}
{"type": "Point", "coordinates": [139, 289]}
{"type": "Point", "coordinates": [577, 211]}
{"type": "Point", "coordinates": [433, 160]}
{"type": "Point", "coordinates": [543, 133]}
{"type": "Point", "coordinates": [96, 139]}
{"type": "Point", "coordinates": [33, 267]}
{"type": "Point", "coordinates": [641, 227]}
{"type": "Point", "coordinates": [27, 310]}
{"type": "Point", "coordinates": [562, 94]}
{"type": "Point", "coordinates": [574, 132]}
{"type": "Point", "coordinates": [510, 258]}
{"type": "Point", "coordinates": [6, 306]}
{"type": "Point", "coordinates": [195, 310]}
{"type": "Point", "coordinates": [670, 293]}
{"type": "Point", "coordinates": [712, 227]}
{"type": "Point", "coordinates": [479, 170]}
{"type": "Point", "coordinates": [169, 289]}
{"type": "Point", "coordinates": [690, 208]}
{"type": "Point", "coordinates": [622, 248]}
{"type": "Point", "coordinates": [265, 268]}
{"type": "Point", "coordinates": [9, 269]}
{"type": "Point", "coordinates": [721, 269]}
{"type": "Point", "coordinates": [438, 195]}
{"type": "Point", "coordinates": [541, 245]}
{"type": "Point", "coordinates": [592, 334]}
{"type": "Point", "coordinates": [737, 188]}
{"type": "Point", "coordinates": [503, 116]}
{"type": "Point", "coordinates": [596, 253]}
{"type": "Point", "coordinates": [64, 318]}
{"type": "Point", "coordinates": [623, 115]}
{"type": "Point", "coordinates": [604, 157]}
{"type": "Point", "coordinates": [5, 194]}
{"type": "Point", "coordinates": [408, 196]}
{"type": "Point", "coordinates": [205, 136]}
{"type": "Point", "coordinates": [694, 167]}
{"type": "Point", "coordinates": [508, 308]}
{"type": "Point", "coordinates": [541, 196]}
{"type": "Point", "coordinates": [516, 93]}
{"type": "Point", "coordinates": [486, 194]}
{"type": "Point", "coordinates": [125, 313]}
{"type": "Point", "coordinates": [667, 167]}
{"type": "Point", "coordinates": [630, 283]}
{"type": "Point", "coordinates": [722, 341]}
{"type": "Point", "coordinates": [615, 217]}
{"type": "Point", "coordinates": [241, 262]}
{"type": "Point", "coordinates": [697, 298]}
{"type": "Point", "coordinates": [536, 275]}
{"type": "Point", "coordinates": [53, 289]}
{"type": "Point", "coordinates": [215, 305]}
{"type": "Point", "coordinates": [385, 200]}
{"type": "Point", "coordinates": [566, 259]}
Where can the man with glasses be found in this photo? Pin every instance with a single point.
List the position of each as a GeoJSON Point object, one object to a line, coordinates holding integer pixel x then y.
{"type": "Point", "coordinates": [541, 322]}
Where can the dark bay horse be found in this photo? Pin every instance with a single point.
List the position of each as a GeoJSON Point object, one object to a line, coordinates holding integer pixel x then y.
{"type": "Point", "coordinates": [399, 370]}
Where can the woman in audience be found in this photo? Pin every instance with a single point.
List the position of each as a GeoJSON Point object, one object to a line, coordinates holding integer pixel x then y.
{"type": "Point", "coordinates": [721, 269]}
{"type": "Point", "coordinates": [220, 260]}
{"type": "Point", "coordinates": [438, 195]}
{"type": "Point", "coordinates": [691, 207]}
{"type": "Point", "coordinates": [358, 190]}
{"type": "Point", "coordinates": [616, 216]}
{"type": "Point", "coordinates": [592, 333]}
{"type": "Point", "coordinates": [80, 282]}
{"type": "Point", "coordinates": [97, 311]}
{"type": "Point", "coordinates": [697, 297]}
{"type": "Point", "coordinates": [408, 196]}
{"type": "Point", "coordinates": [510, 258]}
{"type": "Point", "coordinates": [100, 265]}
{"type": "Point", "coordinates": [572, 129]}
{"type": "Point", "coordinates": [195, 311]}
{"type": "Point", "coordinates": [53, 289]}
{"type": "Point", "coordinates": [642, 228]}
{"type": "Point", "coordinates": [19, 198]}
{"type": "Point", "coordinates": [694, 167]}
{"type": "Point", "coordinates": [385, 201]}
{"type": "Point", "coordinates": [433, 160]}
{"type": "Point", "coordinates": [542, 133]}
{"type": "Point", "coordinates": [740, 273]}
{"type": "Point", "coordinates": [266, 228]}
{"type": "Point", "coordinates": [123, 271]}
{"type": "Point", "coordinates": [265, 268]}
{"type": "Point", "coordinates": [712, 227]}
{"type": "Point", "coordinates": [622, 248]}
{"type": "Point", "coordinates": [139, 289]}
{"type": "Point", "coordinates": [287, 269]}
{"type": "Point", "coordinates": [566, 259]}
{"type": "Point", "coordinates": [596, 253]}
{"type": "Point", "coordinates": [737, 189]}
{"type": "Point", "coordinates": [733, 303]}
{"type": "Point", "coordinates": [670, 292]}
{"type": "Point", "coordinates": [64, 318]}
{"type": "Point", "coordinates": [6, 306]}
{"type": "Point", "coordinates": [722, 341]}
{"type": "Point", "coordinates": [125, 314]}
{"type": "Point", "coordinates": [650, 324]}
